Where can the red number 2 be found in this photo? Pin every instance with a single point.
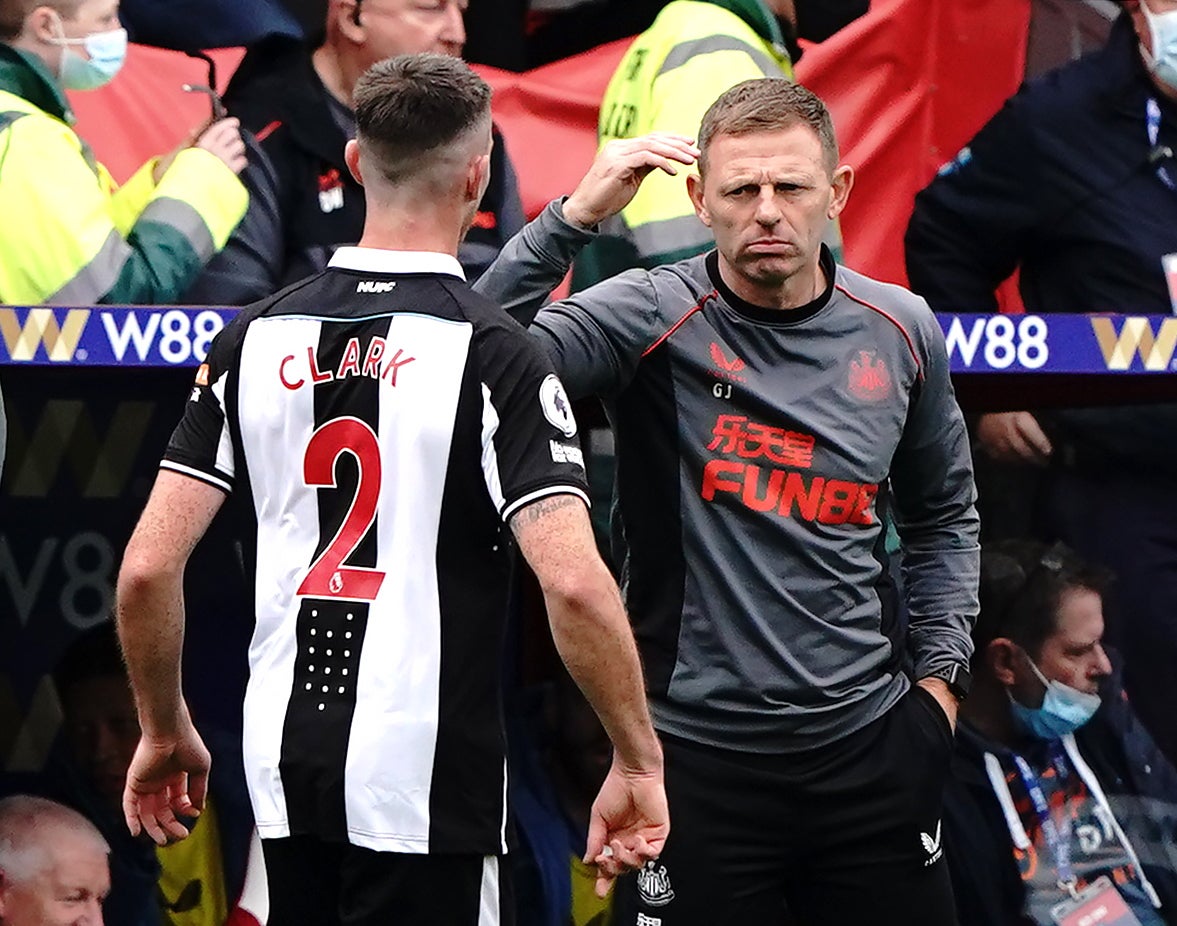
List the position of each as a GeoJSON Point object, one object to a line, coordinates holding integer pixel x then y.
{"type": "Point", "coordinates": [328, 577]}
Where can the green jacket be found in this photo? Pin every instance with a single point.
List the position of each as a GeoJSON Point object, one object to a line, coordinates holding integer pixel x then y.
{"type": "Point", "coordinates": [71, 235]}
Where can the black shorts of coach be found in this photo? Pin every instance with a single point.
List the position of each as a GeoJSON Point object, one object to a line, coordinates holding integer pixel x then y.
{"type": "Point", "coordinates": [845, 834]}
{"type": "Point", "coordinates": [316, 883]}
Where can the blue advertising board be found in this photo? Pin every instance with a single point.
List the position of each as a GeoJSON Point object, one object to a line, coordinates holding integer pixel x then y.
{"type": "Point", "coordinates": [977, 343]}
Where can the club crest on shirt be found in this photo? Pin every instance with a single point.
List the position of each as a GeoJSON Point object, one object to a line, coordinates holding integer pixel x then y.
{"type": "Point", "coordinates": [868, 377]}
{"type": "Point", "coordinates": [556, 406]}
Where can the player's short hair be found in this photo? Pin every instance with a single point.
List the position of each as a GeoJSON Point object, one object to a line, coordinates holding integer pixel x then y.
{"type": "Point", "coordinates": [768, 104]}
{"type": "Point", "coordinates": [1022, 587]}
{"type": "Point", "coordinates": [28, 828]}
{"type": "Point", "coordinates": [411, 107]}
{"type": "Point", "coordinates": [13, 14]}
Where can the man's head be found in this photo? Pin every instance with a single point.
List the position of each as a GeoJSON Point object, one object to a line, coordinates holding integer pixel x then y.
{"type": "Point", "coordinates": [79, 40]}
{"type": "Point", "coordinates": [53, 865]}
{"type": "Point", "coordinates": [769, 181]}
{"type": "Point", "coordinates": [423, 131]}
{"type": "Point", "coordinates": [1041, 609]}
{"type": "Point", "coordinates": [368, 31]}
{"type": "Point", "coordinates": [101, 725]}
{"type": "Point", "coordinates": [1155, 22]}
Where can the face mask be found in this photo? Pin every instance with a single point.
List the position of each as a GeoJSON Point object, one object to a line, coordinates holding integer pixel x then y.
{"type": "Point", "coordinates": [107, 51]}
{"type": "Point", "coordinates": [1163, 29]}
{"type": "Point", "coordinates": [1064, 710]}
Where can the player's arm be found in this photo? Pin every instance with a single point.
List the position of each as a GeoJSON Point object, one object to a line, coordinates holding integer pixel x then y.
{"type": "Point", "coordinates": [534, 261]}
{"type": "Point", "coordinates": [593, 637]}
{"type": "Point", "coordinates": [168, 776]}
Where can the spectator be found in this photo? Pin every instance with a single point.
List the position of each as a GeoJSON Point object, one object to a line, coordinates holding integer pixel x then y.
{"type": "Point", "coordinates": [694, 50]}
{"type": "Point", "coordinates": [1036, 733]}
{"type": "Point", "coordinates": [53, 869]}
{"type": "Point", "coordinates": [192, 884]}
{"type": "Point", "coordinates": [304, 203]}
{"type": "Point", "coordinates": [1088, 226]}
{"type": "Point", "coordinates": [373, 721]}
{"type": "Point", "coordinates": [70, 235]}
{"type": "Point", "coordinates": [770, 407]}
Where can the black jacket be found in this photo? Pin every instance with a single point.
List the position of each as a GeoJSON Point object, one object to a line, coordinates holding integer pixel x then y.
{"type": "Point", "coordinates": [303, 201]}
{"type": "Point", "coordinates": [1060, 183]}
{"type": "Point", "coordinates": [1141, 787]}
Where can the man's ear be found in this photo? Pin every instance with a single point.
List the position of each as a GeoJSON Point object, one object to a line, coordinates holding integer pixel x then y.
{"type": "Point", "coordinates": [842, 183]}
{"type": "Point", "coordinates": [42, 24]}
{"type": "Point", "coordinates": [1000, 657]}
{"type": "Point", "coordinates": [351, 157]}
{"type": "Point", "coordinates": [695, 191]}
{"type": "Point", "coordinates": [478, 178]}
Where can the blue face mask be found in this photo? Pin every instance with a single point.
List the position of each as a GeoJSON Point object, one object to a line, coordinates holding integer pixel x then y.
{"type": "Point", "coordinates": [107, 51]}
{"type": "Point", "coordinates": [1064, 709]}
{"type": "Point", "coordinates": [1163, 29]}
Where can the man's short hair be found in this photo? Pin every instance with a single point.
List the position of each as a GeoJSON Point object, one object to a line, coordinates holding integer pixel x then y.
{"type": "Point", "coordinates": [1022, 586]}
{"type": "Point", "coordinates": [410, 107]}
{"type": "Point", "coordinates": [768, 104]}
{"type": "Point", "coordinates": [13, 14]}
{"type": "Point", "coordinates": [28, 828]}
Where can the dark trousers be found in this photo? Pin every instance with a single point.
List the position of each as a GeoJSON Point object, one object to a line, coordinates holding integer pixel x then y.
{"type": "Point", "coordinates": [317, 883]}
{"type": "Point", "coordinates": [845, 834]}
{"type": "Point", "coordinates": [1128, 523]}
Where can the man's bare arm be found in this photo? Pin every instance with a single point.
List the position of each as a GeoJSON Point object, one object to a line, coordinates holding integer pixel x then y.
{"type": "Point", "coordinates": [168, 775]}
{"type": "Point", "coordinates": [150, 602]}
{"type": "Point", "coordinates": [588, 621]}
{"type": "Point", "coordinates": [629, 821]}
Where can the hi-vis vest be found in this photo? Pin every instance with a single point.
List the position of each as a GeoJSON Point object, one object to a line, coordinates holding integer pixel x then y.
{"type": "Point", "coordinates": [71, 236]}
{"type": "Point", "coordinates": [668, 78]}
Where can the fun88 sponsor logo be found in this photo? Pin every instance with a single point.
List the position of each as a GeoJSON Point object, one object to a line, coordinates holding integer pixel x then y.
{"type": "Point", "coordinates": [997, 342]}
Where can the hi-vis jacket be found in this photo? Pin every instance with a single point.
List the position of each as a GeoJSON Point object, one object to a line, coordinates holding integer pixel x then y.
{"type": "Point", "coordinates": [69, 235]}
{"type": "Point", "coordinates": [671, 74]}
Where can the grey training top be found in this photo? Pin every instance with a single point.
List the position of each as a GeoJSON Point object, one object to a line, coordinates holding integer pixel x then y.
{"type": "Point", "coordinates": [758, 451]}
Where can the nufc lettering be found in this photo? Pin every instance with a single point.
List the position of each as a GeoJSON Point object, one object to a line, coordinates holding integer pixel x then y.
{"type": "Point", "coordinates": [788, 491]}
{"type": "Point", "coordinates": [294, 369]}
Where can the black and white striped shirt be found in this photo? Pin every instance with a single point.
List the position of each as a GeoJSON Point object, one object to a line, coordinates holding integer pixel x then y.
{"type": "Point", "coordinates": [385, 422]}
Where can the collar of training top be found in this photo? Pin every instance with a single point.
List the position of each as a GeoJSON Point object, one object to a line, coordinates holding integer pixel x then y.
{"type": "Point", "coordinates": [378, 260]}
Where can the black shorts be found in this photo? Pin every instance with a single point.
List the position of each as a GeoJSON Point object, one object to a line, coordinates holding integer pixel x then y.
{"type": "Point", "coordinates": [317, 883]}
{"type": "Point", "coordinates": [846, 834]}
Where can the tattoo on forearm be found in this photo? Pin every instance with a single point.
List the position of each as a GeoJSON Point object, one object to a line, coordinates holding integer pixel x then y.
{"type": "Point", "coordinates": [537, 510]}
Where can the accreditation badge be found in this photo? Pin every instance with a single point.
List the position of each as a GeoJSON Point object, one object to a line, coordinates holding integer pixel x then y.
{"type": "Point", "coordinates": [1098, 904]}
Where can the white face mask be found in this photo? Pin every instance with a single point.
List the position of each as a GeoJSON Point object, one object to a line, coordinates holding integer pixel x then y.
{"type": "Point", "coordinates": [107, 51]}
{"type": "Point", "coordinates": [1162, 28]}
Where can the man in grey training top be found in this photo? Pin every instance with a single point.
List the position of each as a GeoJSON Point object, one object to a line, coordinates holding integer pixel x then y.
{"type": "Point", "coordinates": [771, 410]}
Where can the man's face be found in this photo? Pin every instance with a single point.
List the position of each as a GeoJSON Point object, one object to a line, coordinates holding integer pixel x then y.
{"type": "Point", "coordinates": [410, 27]}
{"type": "Point", "coordinates": [67, 891]}
{"type": "Point", "coordinates": [102, 730]}
{"type": "Point", "coordinates": [768, 198]}
{"type": "Point", "coordinates": [1140, 23]}
{"type": "Point", "coordinates": [1074, 653]}
{"type": "Point", "coordinates": [91, 16]}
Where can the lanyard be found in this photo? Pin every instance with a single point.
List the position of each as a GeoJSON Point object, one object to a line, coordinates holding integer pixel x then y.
{"type": "Point", "coordinates": [1152, 112]}
{"type": "Point", "coordinates": [1056, 833]}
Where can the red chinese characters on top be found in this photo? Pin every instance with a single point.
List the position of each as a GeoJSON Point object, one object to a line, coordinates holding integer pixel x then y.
{"type": "Point", "coordinates": [749, 440]}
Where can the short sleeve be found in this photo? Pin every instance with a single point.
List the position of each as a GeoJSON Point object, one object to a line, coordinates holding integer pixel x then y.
{"type": "Point", "coordinates": [530, 447]}
{"type": "Point", "coordinates": [202, 446]}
